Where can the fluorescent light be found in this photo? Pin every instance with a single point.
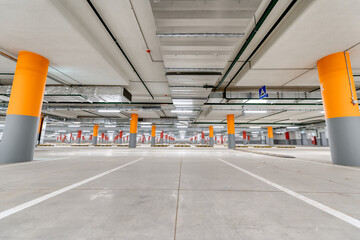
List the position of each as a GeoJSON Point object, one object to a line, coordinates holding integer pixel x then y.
{"type": "Point", "coordinates": [182, 102]}
{"type": "Point", "coordinates": [110, 126]}
{"type": "Point", "coordinates": [255, 111]}
{"type": "Point", "coordinates": [256, 101]}
{"type": "Point", "coordinates": [182, 126]}
{"type": "Point", "coordinates": [292, 127]}
{"type": "Point", "coordinates": [322, 111]}
{"type": "Point", "coordinates": [181, 111]}
{"type": "Point", "coordinates": [74, 125]}
{"type": "Point", "coordinates": [146, 126]}
{"type": "Point", "coordinates": [254, 127]}
{"type": "Point", "coordinates": [108, 110]}
{"type": "Point", "coordinates": [86, 131]}
{"type": "Point", "coordinates": [183, 90]}
{"type": "Point", "coordinates": [186, 35]}
{"type": "Point", "coordinates": [110, 131]}
{"type": "Point", "coordinates": [218, 126]}
{"type": "Point", "coordinates": [255, 132]}
{"type": "Point", "coordinates": [61, 131]}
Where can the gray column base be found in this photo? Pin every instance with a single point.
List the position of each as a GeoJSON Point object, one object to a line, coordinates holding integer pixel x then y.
{"type": "Point", "coordinates": [231, 141]}
{"type": "Point", "coordinates": [202, 141]}
{"type": "Point", "coordinates": [304, 140]}
{"type": "Point", "coordinates": [161, 141]}
{"type": "Point", "coordinates": [94, 140]}
{"type": "Point", "coordinates": [19, 138]}
{"type": "Point", "coordinates": [271, 141]}
{"type": "Point", "coordinates": [211, 141]}
{"type": "Point", "coordinates": [287, 141]}
{"type": "Point", "coordinates": [120, 140]}
{"type": "Point", "coordinates": [152, 141]}
{"type": "Point", "coordinates": [132, 142]}
{"type": "Point", "coordinates": [78, 140]}
{"type": "Point", "coordinates": [344, 135]}
{"type": "Point", "coordinates": [323, 139]}
{"type": "Point", "coordinates": [244, 141]}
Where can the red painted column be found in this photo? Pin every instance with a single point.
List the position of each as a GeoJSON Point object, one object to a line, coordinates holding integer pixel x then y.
{"type": "Point", "coordinates": [287, 138]}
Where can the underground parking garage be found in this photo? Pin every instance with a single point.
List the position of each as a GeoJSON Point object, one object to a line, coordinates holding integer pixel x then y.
{"type": "Point", "coordinates": [179, 119]}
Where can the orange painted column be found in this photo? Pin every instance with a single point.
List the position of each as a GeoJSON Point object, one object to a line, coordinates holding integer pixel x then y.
{"type": "Point", "coordinates": [211, 135]}
{"type": "Point", "coordinates": [341, 108]}
{"type": "Point", "coordinates": [231, 131]}
{"type": "Point", "coordinates": [95, 134]}
{"type": "Point", "coordinates": [153, 134]}
{"type": "Point", "coordinates": [270, 136]}
{"type": "Point", "coordinates": [133, 130]}
{"type": "Point", "coordinates": [24, 108]}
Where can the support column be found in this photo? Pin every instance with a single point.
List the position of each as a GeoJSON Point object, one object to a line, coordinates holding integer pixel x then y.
{"type": "Point", "coordinates": [231, 131]}
{"type": "Point", "coordinates": [270, 136]}
{"type": "Point", "coordinates": [21, 123]}
{"type": "Point", "coordinates": [153, 134]}
{"type": "Point", "coordinates": [341, 108]}
{"type": "Point", "coordinates": [323, 139]}
{"type": "Point", "coordinates": [162, 137]}
{"type": "Point", "coordinates": [211, 135]}
{"type": "Point", "coordinates": [304, 140]}
{"type": "Point", "coordinates": [95, 134]}
{"type": "Point", "coordinates": [244, 138]}
{"type": "Point", "coordinates": [202, 137]}
{"type": "Point", "coordinates": [133, 130]}
{"type": "Point", "coordinates": [120, 140]}
{"type": "Point", "coordinates": [78, 138]}
{"type": "Point", "coordinates": [287, 138]}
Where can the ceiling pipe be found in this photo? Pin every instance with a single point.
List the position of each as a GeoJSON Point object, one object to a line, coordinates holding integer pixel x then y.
{"type": "Point", "coordinates": [179, 35]}
{"type": "Point", "coordinates": [264, 104]}
{"type": "Point", "coordinates": [118, 45]}
{"type": "Point", "coordinates": [261, 43]}
{"type": "Point", "coordinates": [248, 40]}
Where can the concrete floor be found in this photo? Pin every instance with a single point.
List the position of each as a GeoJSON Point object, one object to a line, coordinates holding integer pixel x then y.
{"type": "Point", "coordinates": [174, 193]}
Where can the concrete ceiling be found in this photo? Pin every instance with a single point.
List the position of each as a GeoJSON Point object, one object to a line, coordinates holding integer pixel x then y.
{"type": "Point", "coordinates": [181, 49]}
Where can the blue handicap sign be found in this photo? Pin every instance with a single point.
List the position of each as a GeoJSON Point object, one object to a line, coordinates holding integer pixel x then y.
{"type": "Point", "coordinates": [262, 92]}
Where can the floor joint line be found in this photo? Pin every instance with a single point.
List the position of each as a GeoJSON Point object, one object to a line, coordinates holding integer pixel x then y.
{"type": "Point", "coordinates": [178, 197]}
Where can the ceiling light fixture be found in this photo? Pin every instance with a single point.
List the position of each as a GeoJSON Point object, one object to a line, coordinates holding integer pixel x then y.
{"type": "Point", "coordinates": [256, 101]}
{"type": "Point", "coordinates": [108, 110]}
{"type": "Point", "coordinates": [181, 111]}
{"type": "Point", "coordinates": [255, 111]}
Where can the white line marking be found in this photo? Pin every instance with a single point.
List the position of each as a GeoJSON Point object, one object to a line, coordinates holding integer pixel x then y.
{"type": "Point", "coordinates": [309, 201]}
{"type": "Point", "coordinates": [31, 203]}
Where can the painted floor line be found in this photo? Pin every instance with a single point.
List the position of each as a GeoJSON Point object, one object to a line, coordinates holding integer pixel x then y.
{"type": "Point", "coordinates": [31, 203]}
{"type": "Point", "coordinates": [331, 211]}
